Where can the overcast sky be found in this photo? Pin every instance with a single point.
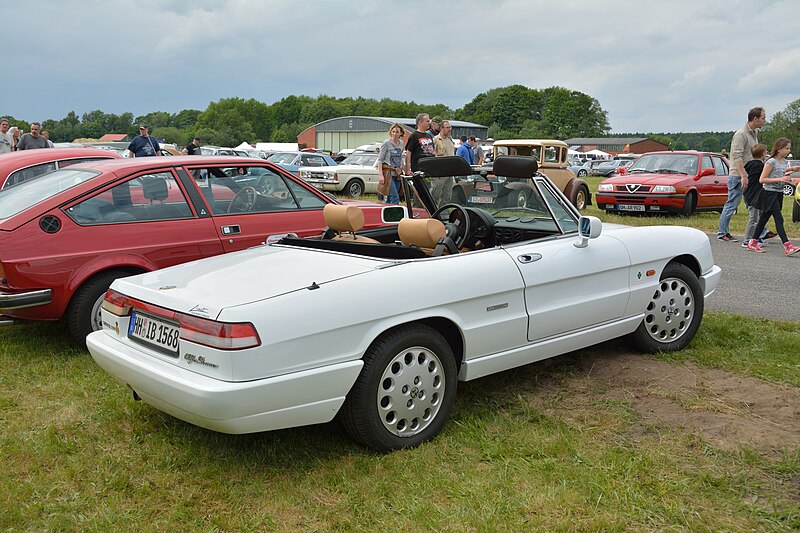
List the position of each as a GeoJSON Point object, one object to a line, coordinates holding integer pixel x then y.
{"type": "Point", "coordinates": [665, 66]}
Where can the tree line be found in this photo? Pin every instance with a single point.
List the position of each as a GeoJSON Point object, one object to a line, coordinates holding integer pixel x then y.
{"type": "Point", "coordinates": [513, 112]}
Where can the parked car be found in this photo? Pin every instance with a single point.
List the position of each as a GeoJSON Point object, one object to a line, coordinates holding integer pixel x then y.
{"type": "Point", "coordinates": [580, 169]}
{"type": "Point", "coordinates": [25, 165]}
{"type": "Point", "coordinates": [674, 182]}
{"type": "Point", "coordinates": [292, 161]}
{"type": "Point", "coordinates": [793, 190]}
{"type": "Point", "coordinates": [356, 175]}
{"type": "Point", "coordinates": [294, 333]}
{"type": "Point", "coordinates": [65, 236]}
{"type": "Point", "coordinates": [551, 156]}
{"type": "Point", "coordinates": [609, 167]}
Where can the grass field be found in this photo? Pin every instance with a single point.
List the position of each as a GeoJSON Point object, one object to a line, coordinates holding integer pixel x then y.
{"type": "Point", "coordinates": [547, 447]}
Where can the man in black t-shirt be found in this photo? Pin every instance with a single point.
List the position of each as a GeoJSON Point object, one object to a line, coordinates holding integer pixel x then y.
{"type": "Point", "coordinates": [193, 148]}
{"type": "Point", "coordinates": [419, 144]}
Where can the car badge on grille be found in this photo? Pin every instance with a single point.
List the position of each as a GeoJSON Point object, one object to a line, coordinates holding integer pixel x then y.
{"type": "Point", "coordinates": [632, 187]}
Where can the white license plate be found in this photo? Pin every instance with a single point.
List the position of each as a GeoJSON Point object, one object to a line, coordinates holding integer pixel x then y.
{"type": "Point", "coordinates": [155, 332]}
{"type": "Point", "coordinates": [481, 200]}
{"type": "Point", "coordinates": [628, 207]}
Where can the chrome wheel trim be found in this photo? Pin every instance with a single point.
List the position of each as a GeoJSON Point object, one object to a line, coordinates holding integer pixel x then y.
{"type": "Point", "coordinates": [670, 311]}
{"type": "Point", "coordinates": [522, 199]}
{"type": "Point", "coordinates": [411, 391]}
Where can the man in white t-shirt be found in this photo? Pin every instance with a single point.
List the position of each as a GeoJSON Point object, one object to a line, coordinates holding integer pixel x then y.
{"type": "Point", "coordinates": [6, 140]}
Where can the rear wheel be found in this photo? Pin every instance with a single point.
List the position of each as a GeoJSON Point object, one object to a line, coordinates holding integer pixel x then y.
{"type": "Point", "coordinates": [518, 198]}
{"type": "Point", "coordinates": [405, 391]}
{"type": "Point", "coordinates": [83, 313]}
{"type": "Point", "coordinates": [788, 189]}
{"type": "Point", "coordinates": [354, 187]}
{"type": "Point", "coordinates": [689, 204]}
{"type": "Point", "coordinates": [673, 314]}
{"type": "Point", "coordinates": [582, 173]}
{"type": "Point", "coordinates": [581, 199]}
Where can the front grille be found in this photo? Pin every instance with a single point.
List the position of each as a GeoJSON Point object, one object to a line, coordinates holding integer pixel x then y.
{"type": "Point", "coordinates": [641, 189]}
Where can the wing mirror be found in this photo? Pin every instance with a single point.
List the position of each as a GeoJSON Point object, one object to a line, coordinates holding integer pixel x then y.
{"type": "Point", "coordinates": [707, 172]}
{"type": "Point", "coordinates": [588, 228]}
{"type": "Point", "coordinates": [393, 213]}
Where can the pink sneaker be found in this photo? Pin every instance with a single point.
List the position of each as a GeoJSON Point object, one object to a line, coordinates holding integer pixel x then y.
{"type": "Point", "coordinates": [753, 246]}
{"type": "Point", "coordinates": [790, 248]}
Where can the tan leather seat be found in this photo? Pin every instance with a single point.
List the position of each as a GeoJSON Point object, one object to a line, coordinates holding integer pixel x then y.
{"type": "Point", "coordinates": [345, 220]}
{"type": "Point", "coordinates": [423, 233]}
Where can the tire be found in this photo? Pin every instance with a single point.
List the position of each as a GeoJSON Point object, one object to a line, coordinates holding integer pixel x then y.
{"type": "Point", "coordinates": [517, 198]}
{"type": "Point", "coordinates": [581, 199]}
{"type": "Point", "coordinates": [673, 314]}
{"type": "Point", "coordinates": [689, 204]}
{"type": "Point", "coordinates": [788, 189]}
{"type": "Point", "coordinates": [354, 188]}
{"type": "Point", "coordinates": [459, 197]}
{"type": "Point", "coordinates": [796, 210]}
{"type": "Point", "coordinates": [582, 173]}
{"type": "Point", "coordinates": [83, 312]}
{"type": "Point", "coordinates": [405, 391]}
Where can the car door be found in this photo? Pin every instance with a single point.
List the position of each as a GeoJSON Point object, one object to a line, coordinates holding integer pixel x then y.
{"type": "Point", "coordinates": [569, 288]}
{"type": "Point", "coordinates": [280, 205]}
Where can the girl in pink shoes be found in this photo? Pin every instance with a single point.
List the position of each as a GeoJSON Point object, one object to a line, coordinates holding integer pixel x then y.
{"type": "Point", "coordinates": [770, 203]}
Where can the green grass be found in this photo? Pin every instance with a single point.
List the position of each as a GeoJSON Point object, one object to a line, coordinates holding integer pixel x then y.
{"type": "Point", "coordinates": [78, 453]}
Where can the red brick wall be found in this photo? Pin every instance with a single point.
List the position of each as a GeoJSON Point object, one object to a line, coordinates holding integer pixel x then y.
{"type": "Point", "coordinates": [308, 138]}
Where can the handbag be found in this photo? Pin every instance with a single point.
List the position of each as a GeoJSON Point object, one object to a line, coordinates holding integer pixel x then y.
{"type": "Point", "coordinates": [385, 183]}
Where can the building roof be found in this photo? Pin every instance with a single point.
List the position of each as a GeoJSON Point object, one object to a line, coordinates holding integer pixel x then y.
{"type": "Point", "coordinates": [605, 140]}
{"type": "Point", "coordinates": [113, 137]}
{"type": "Point", "coordinates": [360, 123]}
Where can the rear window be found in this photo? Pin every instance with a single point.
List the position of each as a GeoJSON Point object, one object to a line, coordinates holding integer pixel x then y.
{"type": "Point", "coordinates": [18, 198]}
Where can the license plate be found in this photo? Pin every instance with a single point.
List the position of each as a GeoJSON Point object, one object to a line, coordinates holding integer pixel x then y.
{"type": "Point", "coordinates": [481, 200]}
{"type": "Point", "coordinates": [155, 332]}
{"type": "Point", "coordinates": [628, 207]}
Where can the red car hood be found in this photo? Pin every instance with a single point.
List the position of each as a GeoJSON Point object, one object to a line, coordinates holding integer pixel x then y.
{"type": "Point", "coordinates": [647, 178]}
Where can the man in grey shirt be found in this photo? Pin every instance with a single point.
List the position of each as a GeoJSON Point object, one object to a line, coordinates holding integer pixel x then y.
{"type": "Point", "coordinates": [741, 145]}
{"type": "Point", "coordinates": [34, 139]}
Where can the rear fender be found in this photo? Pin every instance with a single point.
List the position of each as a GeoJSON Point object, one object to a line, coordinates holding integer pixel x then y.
{"type": "Point", "coordinates": [572, 188]}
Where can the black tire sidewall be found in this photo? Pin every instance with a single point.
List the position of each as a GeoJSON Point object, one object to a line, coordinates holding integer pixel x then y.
{"type": "Point", "coordinates": [642, 339]}
{"type": "Point", "coordinates": [78, 316]}
{"type": "Point", "coordinates": [349, 187]}
{"type": "Point", "coordinates": [359, 413]}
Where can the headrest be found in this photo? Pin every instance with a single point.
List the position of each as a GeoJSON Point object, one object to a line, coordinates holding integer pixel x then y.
{"type": "Point", "coordinates": [422, 232]}
{"type": "Point", "coordinates": [515, 166]}
{"type": "Point", "coordinates": [438, 167]}
{"type": "Point", "coordinates": [343, 217]}
{"type": "Point", "coordinates": [154, 188]}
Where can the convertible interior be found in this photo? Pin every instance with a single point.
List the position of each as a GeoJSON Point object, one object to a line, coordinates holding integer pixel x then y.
{"type": "Point", "coordinates": [452, 228]}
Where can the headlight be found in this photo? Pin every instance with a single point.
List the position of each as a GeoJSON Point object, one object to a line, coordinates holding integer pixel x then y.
{"type": "Point", "coordinates": [664, 189]}
{"type": "Point", "coordinates": [605, 187]}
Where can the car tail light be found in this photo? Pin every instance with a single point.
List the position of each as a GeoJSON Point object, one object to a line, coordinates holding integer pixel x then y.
{"type": "Point", "coordinates": [221, 335]}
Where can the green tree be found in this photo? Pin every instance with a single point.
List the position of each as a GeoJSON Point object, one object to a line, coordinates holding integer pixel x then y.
{"type": "Point", "coordinates": [785, 123]}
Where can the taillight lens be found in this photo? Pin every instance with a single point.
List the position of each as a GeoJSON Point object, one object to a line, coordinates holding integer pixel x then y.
{"type": "Point", "coordinates": [221, 335]}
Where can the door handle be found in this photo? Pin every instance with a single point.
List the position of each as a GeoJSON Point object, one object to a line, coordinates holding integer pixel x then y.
{"type": "Point", "coordinates": [528, 258]}
{"type": "Point", "coordinates": [231, 230]}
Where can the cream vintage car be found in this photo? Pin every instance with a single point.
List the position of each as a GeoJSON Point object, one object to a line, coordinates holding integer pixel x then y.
{"type": "Point", "coordinates": [551, 155]}
{"type": "Point", "coordinates": [356, 175]}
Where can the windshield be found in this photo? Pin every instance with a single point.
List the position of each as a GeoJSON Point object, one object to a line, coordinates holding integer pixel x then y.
{"type": "Point", "coordinates": [511, 199]}
{"type": "Point", "coordinates": [18, 198]}
{"type": "Point", "coordinates": [666, 164]}
{"type": "Point", "coordinates": [283, 157]}
{"type": "Point", "coordinates": [363, 160]}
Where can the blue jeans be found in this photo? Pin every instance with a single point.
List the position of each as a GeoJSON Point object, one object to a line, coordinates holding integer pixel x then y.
{"type": "Point", "coordinates": [734, 196]}
{"type": "Point", "coordinates": [394, 196]}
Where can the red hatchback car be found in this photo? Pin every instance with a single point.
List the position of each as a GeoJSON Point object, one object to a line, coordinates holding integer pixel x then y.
{"type": "Point", "coordinates": [22, 166]}
{"type": "Point", "coordinates": [65, 236]}
{"type": "Point", "coordinates": [668, 182]}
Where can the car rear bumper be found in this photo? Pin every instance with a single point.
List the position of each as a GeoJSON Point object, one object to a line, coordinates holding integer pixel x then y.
{"type": "Point", "coordinates": [21, 300]}
{"type": "Point", "coordinates": [709, 281]}
{"type": "Point", "coordinates": [296, 399]}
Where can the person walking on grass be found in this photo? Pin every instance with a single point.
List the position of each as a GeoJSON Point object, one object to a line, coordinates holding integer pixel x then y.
{"type": "Point", "coordinates": [770, 202]}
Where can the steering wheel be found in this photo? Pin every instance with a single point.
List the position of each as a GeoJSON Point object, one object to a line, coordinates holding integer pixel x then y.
{"type": "Point", "coordinates": [244, 201]}
{"type": "Point", "coordinates": [457, 224]}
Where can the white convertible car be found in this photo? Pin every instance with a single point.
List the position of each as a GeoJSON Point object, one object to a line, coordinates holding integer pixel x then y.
{"type": "Point", "coordinates": [379, 326]}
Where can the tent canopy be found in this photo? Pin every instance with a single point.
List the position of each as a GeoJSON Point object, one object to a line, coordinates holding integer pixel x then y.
{"type": "Point", "coordinates": [598, 153]}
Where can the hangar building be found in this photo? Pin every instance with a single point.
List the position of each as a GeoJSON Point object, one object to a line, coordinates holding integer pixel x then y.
{"type": "Point", "coordinates": [350, 132]}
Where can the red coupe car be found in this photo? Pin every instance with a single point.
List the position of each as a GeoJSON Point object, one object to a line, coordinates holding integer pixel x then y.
{"type": "Point", "coordinates": [668, 182]}
{"type": "Point", "coordinates": [17, 167]}
{"type": "Point", "coordinates": [65, 236]}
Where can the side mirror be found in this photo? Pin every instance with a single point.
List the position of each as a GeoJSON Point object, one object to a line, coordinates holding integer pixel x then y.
{"type": "Point", "coordinates": [588, 228]}
{"type": "Point", "coordinates": [707, 172]}
{"type": "Point", "coordinates": [393, 213]}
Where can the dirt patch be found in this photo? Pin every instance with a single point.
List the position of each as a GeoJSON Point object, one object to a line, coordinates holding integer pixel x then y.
{"type": "Point", "coordinates": [727, 410]}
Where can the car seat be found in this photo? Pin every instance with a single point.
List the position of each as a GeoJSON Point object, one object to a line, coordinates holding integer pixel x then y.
{"type": "Point", "coordinates": [424, 233]}
{"type": "Point", "coordinates": [344, 221]}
